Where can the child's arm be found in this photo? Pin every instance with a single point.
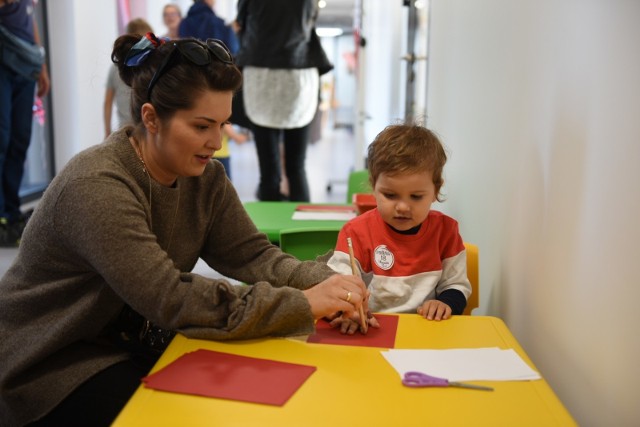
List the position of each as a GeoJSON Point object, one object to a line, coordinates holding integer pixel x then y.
{"type": "Point", "coordinates": [238, 137]}
{"type": "Point", "coordinates": [454, 299]}
{"type": "Point", "coordinates": [452, 290]}
{"type": "Point", "coordinates": [434, 309]}
{"type": "Point", "coordinates": [449, 302]}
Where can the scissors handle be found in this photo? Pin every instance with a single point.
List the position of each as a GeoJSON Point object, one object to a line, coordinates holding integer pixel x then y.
{"type": "Point", "coordinates": [473, 386]}
{"type": "Point", "coordinates": [420, 379]}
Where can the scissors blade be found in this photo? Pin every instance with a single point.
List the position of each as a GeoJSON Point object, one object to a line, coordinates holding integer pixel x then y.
{"type": "Point", "coordinates": [473, 386]}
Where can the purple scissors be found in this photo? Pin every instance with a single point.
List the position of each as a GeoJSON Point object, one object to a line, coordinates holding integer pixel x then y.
{"type": "Point", "coordinates": [419, 379]}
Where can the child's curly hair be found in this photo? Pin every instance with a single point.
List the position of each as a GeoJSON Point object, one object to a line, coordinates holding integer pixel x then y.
{"type": "Point", "coordinates": [407, 148]}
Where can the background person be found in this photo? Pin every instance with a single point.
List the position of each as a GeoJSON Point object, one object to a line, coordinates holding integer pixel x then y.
{"type": "Point", "coordinates": [282, 61]}
{"type": "Point", "coordinates": [202, 23]}
{"type": "Point", "coordinates": [117, 91]}
{"type": "Point", "coordinates": [229, 133]}
{"type": "Point", "coordinates": [103, 271]}
{"type": "Point", "coordinates": [171, 16]}
{"type": "Point", "coordinates": [16, 116]}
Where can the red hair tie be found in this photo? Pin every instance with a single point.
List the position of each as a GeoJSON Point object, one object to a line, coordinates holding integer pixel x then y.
{"type": "Point", "coordinates": [155, 41]}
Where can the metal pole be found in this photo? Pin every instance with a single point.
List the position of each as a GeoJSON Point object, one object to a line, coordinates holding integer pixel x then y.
{"type": "Point", "coordinates": [361, 114]}
{"type": "Point", "coordinates": [410, 57]}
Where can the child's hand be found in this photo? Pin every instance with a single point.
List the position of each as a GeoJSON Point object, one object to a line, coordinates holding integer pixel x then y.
{"type": "Point", "coordinates": [434, 310]}
{"type": "Point", "coordinates": [347, 326]}
{"type": "Point", "coordinates": [351, 325]}
{"type": "Point", "coordinates": [237, 137]}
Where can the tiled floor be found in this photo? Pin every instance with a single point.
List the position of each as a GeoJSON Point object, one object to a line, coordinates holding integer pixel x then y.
{"type": "Point", "coordinates": [329, 161]}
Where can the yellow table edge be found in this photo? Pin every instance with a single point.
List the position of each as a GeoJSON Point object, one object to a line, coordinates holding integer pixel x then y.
{"type": "Point", "coordinates": [188, 409]}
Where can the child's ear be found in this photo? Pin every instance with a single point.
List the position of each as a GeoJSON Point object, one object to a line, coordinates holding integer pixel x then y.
{"type": "Point", "coordinates": [437, 193]}
{"type": "Point", "coordinates": [149, 117]}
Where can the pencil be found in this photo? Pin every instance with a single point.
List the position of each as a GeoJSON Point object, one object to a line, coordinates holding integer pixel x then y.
{"type": "Point", "coordinates": [356, 272]}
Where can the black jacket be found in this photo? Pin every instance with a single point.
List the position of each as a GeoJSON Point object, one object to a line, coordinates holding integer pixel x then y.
{"type": "Point", "coordinates": [280, 34]}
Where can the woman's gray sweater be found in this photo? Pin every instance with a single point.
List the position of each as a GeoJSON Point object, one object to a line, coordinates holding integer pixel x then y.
{"type": "Point", "coordinates": [98, 240]}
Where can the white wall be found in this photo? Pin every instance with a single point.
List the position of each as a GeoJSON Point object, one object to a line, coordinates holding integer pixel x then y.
{"type": "Point", "coordinates": [81, 35]}
{"type": "Point", "coordinates": [539, 104]}
{"type": "Point", "coordinates": [383, 30]}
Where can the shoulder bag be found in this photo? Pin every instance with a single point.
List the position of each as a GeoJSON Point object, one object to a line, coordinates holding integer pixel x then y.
{"type": "Point", "coordinates": [19, 55]}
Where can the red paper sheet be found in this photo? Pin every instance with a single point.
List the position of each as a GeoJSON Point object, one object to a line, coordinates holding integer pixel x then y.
{"type": "Point", "coordinates": [384, 337]}
{"type": "Point", "coordinates": [229, 376]}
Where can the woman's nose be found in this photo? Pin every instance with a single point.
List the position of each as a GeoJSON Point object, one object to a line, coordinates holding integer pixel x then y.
{"type": "Point", "coordinates": [216, 141]}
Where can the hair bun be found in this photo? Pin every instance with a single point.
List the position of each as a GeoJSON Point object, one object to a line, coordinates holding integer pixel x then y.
{"type": "Point", "coordinates": [121, 48]}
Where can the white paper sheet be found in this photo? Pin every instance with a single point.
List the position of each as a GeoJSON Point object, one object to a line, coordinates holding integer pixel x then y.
{"type": "Point", "coordinates": [324, 216]}
{"type": "Point", "coordinates": [477, 364]}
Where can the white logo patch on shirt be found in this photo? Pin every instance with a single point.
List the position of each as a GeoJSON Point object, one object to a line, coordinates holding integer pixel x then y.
{"type": "Point", "coordinates": [383, 257]}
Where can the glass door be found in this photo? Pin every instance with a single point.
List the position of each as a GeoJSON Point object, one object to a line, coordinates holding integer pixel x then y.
{"type": "Point", "coordinates": [39, 165]}
{"type": "Point", "coordinates": [416, 57]}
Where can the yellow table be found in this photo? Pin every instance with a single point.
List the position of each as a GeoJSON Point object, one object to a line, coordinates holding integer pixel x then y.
{"type": "Point", "coordinates": [355, 386]}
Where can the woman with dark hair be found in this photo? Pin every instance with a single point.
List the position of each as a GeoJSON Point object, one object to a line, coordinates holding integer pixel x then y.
{"type": "Point", "coordinates": [102, 278]}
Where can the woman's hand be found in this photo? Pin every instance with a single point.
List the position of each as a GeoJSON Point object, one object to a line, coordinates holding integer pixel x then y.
{"type": "Point", "coordinates": [434, 310]}
{"type": "Point", "coordinates": [339, 292]}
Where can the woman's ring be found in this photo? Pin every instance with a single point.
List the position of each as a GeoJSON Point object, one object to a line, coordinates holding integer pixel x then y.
{"type": "Point", "coordinates": [348, 296]}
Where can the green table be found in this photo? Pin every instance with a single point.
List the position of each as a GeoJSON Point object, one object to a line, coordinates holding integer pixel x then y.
{"type": "Point", "coordinates": [271, 217]}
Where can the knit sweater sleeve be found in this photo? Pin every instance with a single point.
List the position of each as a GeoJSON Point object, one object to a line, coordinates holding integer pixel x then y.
{"type": "Point", "coordinates": [235, 248]}
{"type": "Point", "coordinates": [106, 226]}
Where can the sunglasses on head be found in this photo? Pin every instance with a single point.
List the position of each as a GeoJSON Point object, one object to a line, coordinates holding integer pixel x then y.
{"type": "Point", "coordinates": [197, 52]}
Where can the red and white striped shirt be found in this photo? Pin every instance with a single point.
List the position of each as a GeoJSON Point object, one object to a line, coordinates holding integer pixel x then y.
{"type": "Point", "coordinates": [407, 269]}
